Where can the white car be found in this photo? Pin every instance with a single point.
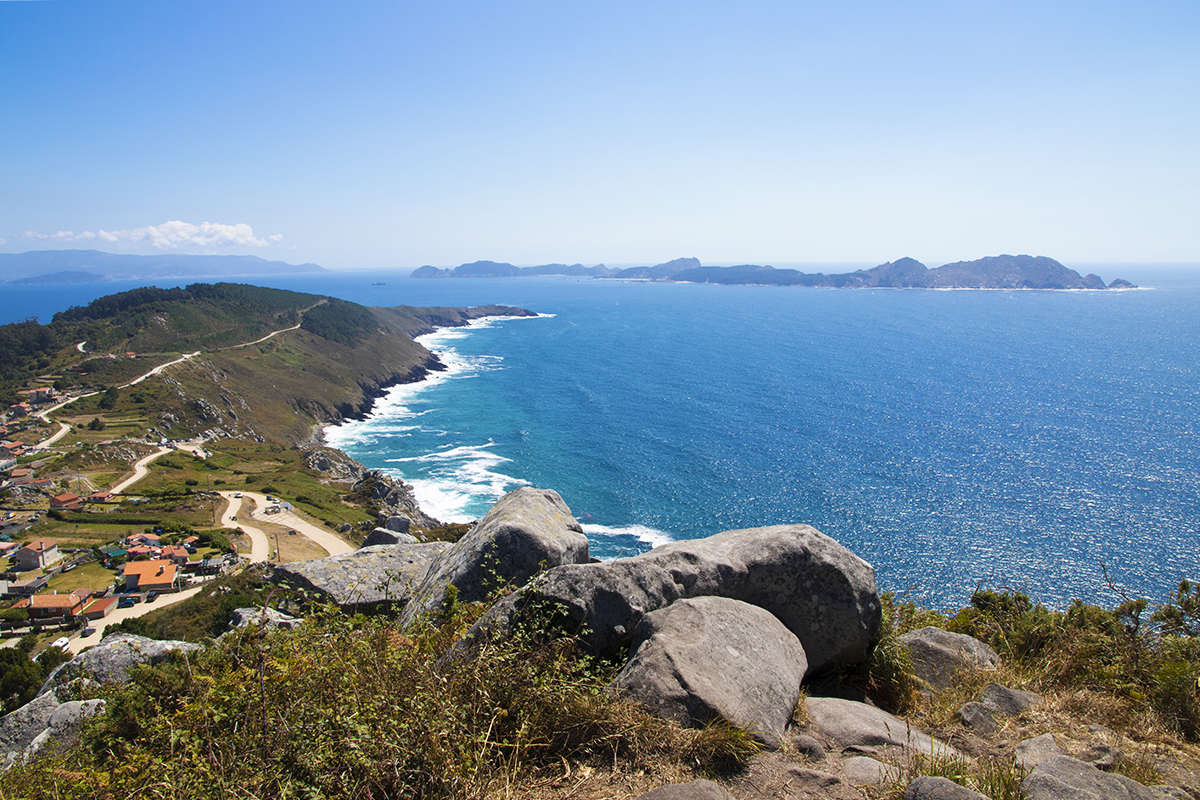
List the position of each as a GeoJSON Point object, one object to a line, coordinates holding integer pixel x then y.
{"type": "Point", "coordinates": [237, 495]}
{"type": "Point", "coordinates": [62, 642]}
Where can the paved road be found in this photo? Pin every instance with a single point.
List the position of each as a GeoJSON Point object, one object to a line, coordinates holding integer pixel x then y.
{"type": "Point", "coordinates": [120, 614]}
{"type": "Point", "coordinates": [160, 368]}
{"type": "Point", "coordinates": [260, 549]}
{"type": "Point", "coordinates": [62, 431]}
{"type": "Point", "coordinates": [139, 470]}
{"type": "Point", "coordinates": [332, 544]}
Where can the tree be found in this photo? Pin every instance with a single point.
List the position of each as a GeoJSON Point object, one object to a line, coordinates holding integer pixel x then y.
{"type": "Point", "coordinates": [96, 424]}
{"type": "Point", "coordinates": [109, 399]}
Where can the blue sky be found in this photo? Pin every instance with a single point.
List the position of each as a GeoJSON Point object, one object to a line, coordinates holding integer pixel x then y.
{"type": "Point", "coordinates": [374, 134]}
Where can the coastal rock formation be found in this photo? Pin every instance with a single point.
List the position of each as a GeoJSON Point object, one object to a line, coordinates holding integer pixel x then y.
{"type": "Point", "coordinates": [930, 788]}
{"type": "Point", "coordinates": [819, 590]}
{"type": "Point", "coordinates": [111, 660]}
{"type": "Point", "coordinates": [40, 721]}
{"type": "Point", "coordinates": [394, 497]}
{"type": "Point", "coordinates": [386, 536]}
{"type": "Point", "coordinates": [1066, 778]}
{"type": "Point", "coordinates": [939, 656]}
{"type": "Point", "coordinates": [370, 580]}
{"type": "Point", "coordinates": [858, 725]}
{"type": "Point", "coordinates": [262, 617]}
{"type": "Point", "coordinates": [709, 657]}
{"type": "Point", "coordinates": [526, 531]}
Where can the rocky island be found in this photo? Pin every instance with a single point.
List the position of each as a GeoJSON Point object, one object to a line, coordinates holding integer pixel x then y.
{"type": "Point", "coordinates": [993, 272]}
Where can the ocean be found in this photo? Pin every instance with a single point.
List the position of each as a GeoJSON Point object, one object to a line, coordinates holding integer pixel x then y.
{"type": "Point", "coordinates": [1043, 441]}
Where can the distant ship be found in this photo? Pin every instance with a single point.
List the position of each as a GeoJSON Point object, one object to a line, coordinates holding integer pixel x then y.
{"type": "Point", "coordinates": [378, 284]}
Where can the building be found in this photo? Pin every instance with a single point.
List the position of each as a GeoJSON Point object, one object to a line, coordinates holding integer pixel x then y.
{"type": "Point", "coordinates": [66, 502]}
{"type": "Point", "coordinates": [100, 608]}
{"type": "Point", "coordinates": [100, 497]}
{"type": "Point", "coordinates": [51, 606]}
{"type": "Point", "coordinates": [176, 553]}
{"type": "Point", "coordinates": [142, 576]}
{"type": "Point", "coordinates": [42, 394]}
{"type": "Point", "coordinates": [36, 555]}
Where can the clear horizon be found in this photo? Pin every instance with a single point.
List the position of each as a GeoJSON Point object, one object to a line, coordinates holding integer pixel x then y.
{"type": "Point", "coordinates": [770, 133]}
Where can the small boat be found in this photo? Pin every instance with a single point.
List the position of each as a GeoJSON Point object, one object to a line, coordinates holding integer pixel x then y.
{"type": "Point", "coordinates": [379, 284]}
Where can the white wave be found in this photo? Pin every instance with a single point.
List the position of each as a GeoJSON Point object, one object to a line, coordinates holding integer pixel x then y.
{"type": "Point", "coordinates": [643, 533]}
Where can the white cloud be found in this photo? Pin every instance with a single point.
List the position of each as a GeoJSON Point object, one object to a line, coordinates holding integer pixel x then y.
{"type": "Point", "coordinates": [171, 235]}
{"type": "Point", "coordinates": [3, 241]}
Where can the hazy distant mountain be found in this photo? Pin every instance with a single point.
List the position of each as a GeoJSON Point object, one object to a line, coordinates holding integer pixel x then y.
{"type": "Point", "coordinates": [71, 265]}
{"type": "Point", "coordinates": [493, 269]}
{"type": "Point", "coordinates": [63, 277]}
{"type": "Point", "coordinates": [659, 272]}
{"type": "Point", "coordinates": [993, 272]}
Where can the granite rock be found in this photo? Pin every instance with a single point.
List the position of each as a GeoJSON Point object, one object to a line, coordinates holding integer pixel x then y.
{"type": "Point", "coordinates": [371, 580]}
{"type": "Point", "coordinates": [709, 657]}
{"type": "Point", "coordinates": [857, 725]}
{"type": "Point", "coordinates": [940, 656]}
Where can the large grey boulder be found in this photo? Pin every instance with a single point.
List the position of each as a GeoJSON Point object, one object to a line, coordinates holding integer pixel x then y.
{"type": "Point", "coordinates": [1033, 751]}
{"type": "Point", "coordinates": [526, 531]}
{"type": "Point", "coordinates": [709, 657]}
{"type": "Point", "coordinates": [394, 522]}
{"type": "Point", "coordinates": [63, 726]}
{"type": "Point", "coordinates": [928, 787]}
{"type": "Point", "coordinates": [863, 727]}
{"type": "Point", "coordinates": [370, 580]}
{"type": "Point", "coordinates": [978, 718]}
{"type": "Point", "coordinates": [819, 590]}
{"type": "Point", "coordinates": [939, 656]}
{"type": "Point", "coordinates": [112, 660]}
{"type": "Point", "coordinates": [866, 771]}
{"type": "Point", "coordinates": [388, 536]}
{"type": "Point", "coordinates": [1065, 778]}
{"type": "Point", "coordinates": [1005, 702]}
{"type": "Point", "coordinates": [693, 790]}
{"type": "Point", "coordinates": [19, 728]}
{"type": "Point", "coordinates": [262, 617]}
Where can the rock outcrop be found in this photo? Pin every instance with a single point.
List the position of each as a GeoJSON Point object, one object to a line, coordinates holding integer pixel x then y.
{"type": "Point", "coordinates": [371, 580]}
{"type": "Point", "coordinates": [711, 657]}
{"type": "Point", "coordinates": [818, 589]}
{"type": "Point", "coordinates": [1066, 778]}
{"type": "Point", "coordinates": [112, 659]}
{"type": "Point", "coordinates": [866, 728]}
{"type": "Point", "coordinates": [526, 531]}
{"type": "Point", "coordinates": [939, 656]}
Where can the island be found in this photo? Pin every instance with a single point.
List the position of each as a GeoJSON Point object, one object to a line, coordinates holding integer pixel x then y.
{"type": "Point", "coordinates": [992, 272]}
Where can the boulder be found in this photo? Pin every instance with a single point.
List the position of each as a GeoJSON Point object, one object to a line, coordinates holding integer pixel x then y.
{"type": "Point", "coordinates": [1103, 756]}
{"type": "Point", "coordinates": [371, 580]}
{"type": "Point", "coordinates": [811, 781]}
{"type": "Point", "coordinates": [1005, 702]}
{"type": "Point", "coordinates": [1034, 751]}
{"type": "Point", "coordinates": [112, 659]}
{"type": "Point", "coordinates": [928, 787]}
{"type": "Point", "coordinates": [389, 536]}
{"type": "Point", "coordinates": [695, 790]}
{"type": "Point", "coordinates": [19, 728]}
{"type": "Point", "coordinates": [810, 747]}
{"type": "Point", "coordinates": [939, 656]}
{"type": "Point", "coordinates": [821, 591]}
{"type": "Point", "coordinates": [526, 531]}
{"type": "Point", "coordinates": [978, 718]}
{"type": "Point", "coordinates": [866, 771]}
{"type": "Point", "coordinates": [394, 523]}
{"type": "Point", "coordinates": [711, 657]}
{"type": "Point", "coordinates": [866, 728]}
{"type": "Point", "coordinates": [264, 617]}
{"type": "Point", "coordinates": [64, 725]}
{"type": "Point", "coordinates": [1065, 778]}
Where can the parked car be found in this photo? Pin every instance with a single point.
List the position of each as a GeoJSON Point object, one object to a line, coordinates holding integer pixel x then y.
{"type": "Point", "coordinates": [151, 595]}
{"type": "Point", "coordinates": [62, 642]}
{"type": "Point", "coordinates": [126, 602]}
{"type": "Point", "coordinates": [87, 632]}
{"type": "Point", "coordinates": [237, 495]}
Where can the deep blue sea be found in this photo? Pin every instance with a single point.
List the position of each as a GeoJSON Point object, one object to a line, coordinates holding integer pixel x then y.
{"type": "Point", "coordinates": [950, 438]}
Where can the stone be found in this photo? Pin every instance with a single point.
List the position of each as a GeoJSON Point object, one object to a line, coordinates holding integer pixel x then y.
{"type": "Point", "coordinates": [370, 580]}
{"type": "Point", "coordinates": [394, 523]}
{"type": "Point", "coordinates": [821, 591]}
{"type": "Point", "coordinates": [1066, 778]}
{"type": "Point", "coordinates": [1103, 756]}
{"type": "Point", "coordinates": [112, 659]}
{"type": "Point", "coordinates": [1032, 752]}
{"type": "Point", "coordinates": [710, 657]}
{"type": "Point", "coordinates": [265, 617]}
{"type": "Point", "coordinates": [852, 724]}
{"type": "Point", "coordinates": [978, 718]}
{"type": "Point", "coordinates": [694, 790]}
{"type": "Point", "coordinates": [388, 536]}
{"type": "Point", "coordinates": [939, 656]}
{"type": "Point", "coordinates": [19, 728]}
{"type": "Point", "coordinates": [1005, 702]}
{"type": "Point", "coordinates": [866, 771]}
{"type": "Point", "coordinates": [809, 746]}
{"type": "Point", "coordinates": [64, 725]}
{"type": "Point", "coordinates": [928, 787]}
{"type": "Point", "coordinates": [810, 780]}
{"type": "Point", "coordinates": [526, 531]}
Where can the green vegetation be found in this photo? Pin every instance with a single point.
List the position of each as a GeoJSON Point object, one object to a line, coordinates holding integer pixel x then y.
{"type": "Point", "coordinates": [339, 321]}
{"type": "Point", "coordinates": [351, 707]}
{"type": "Point", "coordinates": [21, 675]}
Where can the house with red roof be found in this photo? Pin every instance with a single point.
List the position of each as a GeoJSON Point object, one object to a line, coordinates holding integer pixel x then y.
{"type": "Point", "coordinates": [37, 554]}
{"type": "Point", "coordinates": [45, 606]}
{"type": "Point", "coordinates": [142, 576]}
{"type": "Point", "coordinates": [66, 502]}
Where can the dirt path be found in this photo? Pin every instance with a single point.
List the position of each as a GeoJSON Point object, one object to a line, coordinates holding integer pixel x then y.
{"type": "Point", "coordinates": [260, 549]}
{"type": "Point", "coordinates": [332, 543]}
